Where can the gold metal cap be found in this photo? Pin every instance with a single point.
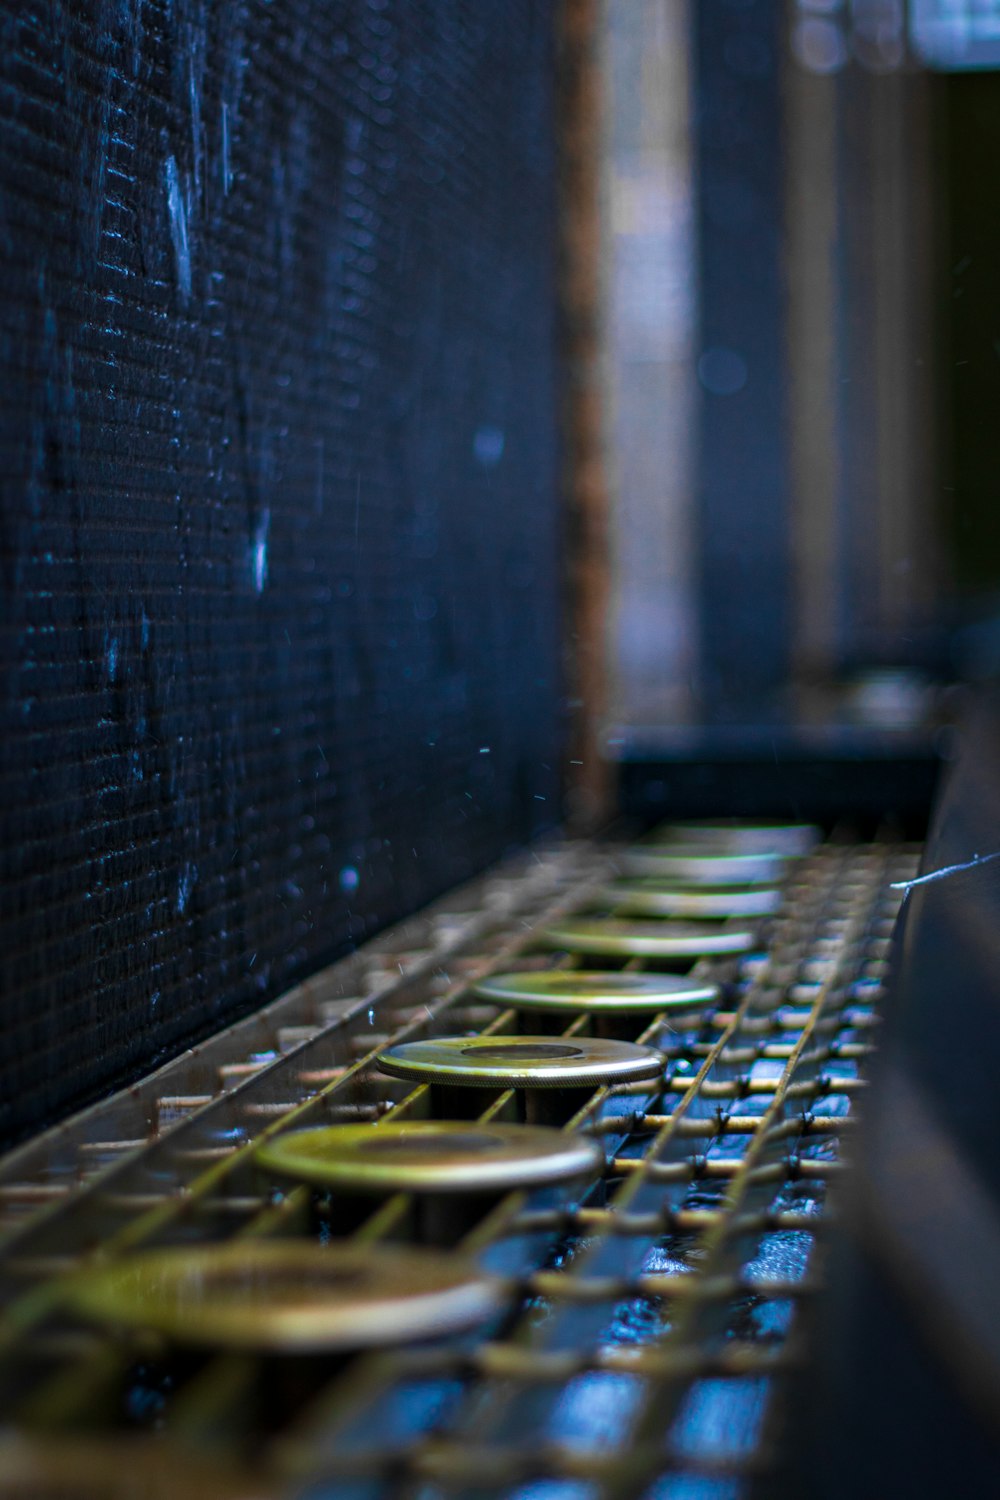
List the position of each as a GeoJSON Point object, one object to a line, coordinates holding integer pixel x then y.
{"type": "Point", "coordinates": [655, 898]}
{"type": "Point", "coordinates": [288, 1295]}
{"type": "Point", "coordinates": [442, 1156]}
{"type": "Point", "coordinates": [521, 1062]}
{"type": "Point", "coordinates": [741, 838]}
{"type": "Point", "coordinates": [597, 990]}
{"type": "Point", "coordinates": [619, 938]}
{"type": "Point", "coordinates": [694, 867]}
{"type": "Point", "coordinates": [118, 1468]}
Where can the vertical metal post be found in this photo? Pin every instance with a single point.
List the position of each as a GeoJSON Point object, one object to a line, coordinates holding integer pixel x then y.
{"type": "Point", "coordinates": [743, 478]}
{"type": "Point", "coordinates": [650, 297]}
{"type": "Point", "coordinates": [580, 126]}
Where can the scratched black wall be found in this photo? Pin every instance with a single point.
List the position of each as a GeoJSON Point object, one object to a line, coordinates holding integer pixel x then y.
{"type": "Point", "coordinates": [279, 523]}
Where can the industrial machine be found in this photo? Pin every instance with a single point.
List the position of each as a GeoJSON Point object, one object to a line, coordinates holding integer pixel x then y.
{"type": "Point", "coordinates": [524, 1194]}
{"type": "Point", "coordinates": [500, 858]}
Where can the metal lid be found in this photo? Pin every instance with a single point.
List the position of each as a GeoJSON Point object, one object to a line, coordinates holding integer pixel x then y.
{"type": "Point", "coordinates": [596, 990]}
{"type": "Point", "coordinates": [288, 1295]}
{"type": "Point", "coordinates": [521, 1062]}
{"type": "Point", "coordinates": [118, 1468]}
{"type": "Point", "coordinates": [615, 937]}
{"type": "Point", "coordinates": [652, 897]}
{"type": "Point", "coordinates": [439, 1156]}
{"type": "Point", "coordinates": [698, 867]}
{"type": "Point", "coordinates": [741, 838]}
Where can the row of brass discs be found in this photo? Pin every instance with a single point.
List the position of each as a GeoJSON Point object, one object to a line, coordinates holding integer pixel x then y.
{"type": "Point", "coordinates": [302, 1296]}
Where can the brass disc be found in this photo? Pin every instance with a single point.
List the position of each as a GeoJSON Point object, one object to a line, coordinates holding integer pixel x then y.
{"type": "Point", "coordinates": [124, 1467]}
{"type": "Point", "coordinates": [521, 1062]}
{"type": "Point", "coordinates": [619, 938]}
{"type": "Point", "coordinates": [596, 990]}
{"type": "Point", "coordinates": [288, 1295]}
{"type": "Point", "coordinates": [438, 1156]}
{"type": "Point", "coordinates": [790, 839]}
{"type": "Point", "coordinates": [694, 867]}
{"type": "Point", "coordinates": [653, 898]}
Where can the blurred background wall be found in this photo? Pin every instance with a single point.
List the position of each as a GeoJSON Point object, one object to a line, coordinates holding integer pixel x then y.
{"type": "Point", "coordinates": [776, 217]}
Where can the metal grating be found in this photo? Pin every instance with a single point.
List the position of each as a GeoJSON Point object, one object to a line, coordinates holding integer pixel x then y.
{"type": "Point", "coordinates": [649, 1312]}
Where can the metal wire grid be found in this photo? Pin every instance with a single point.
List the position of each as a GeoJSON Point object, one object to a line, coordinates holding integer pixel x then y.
{"type": "Point", "coordinates": [649, 1311]}
{"type": "Point", "coordinates": [391, 979]}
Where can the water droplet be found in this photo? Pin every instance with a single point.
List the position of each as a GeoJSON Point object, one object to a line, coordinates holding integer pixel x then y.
{"type": "Point", "coordinates": [177, 209]}
{"type": "Point", "coordinates": [488, 446]}
{"type": "Point", "coordinates": [258, 551]}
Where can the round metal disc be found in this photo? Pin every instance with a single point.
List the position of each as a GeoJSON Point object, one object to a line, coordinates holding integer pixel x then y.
{"type": "Point", "coordinates": [288, 1295]}
{"type": "Point", "coordinates": [596, 990]}
{"type": "Point", "coordinates": [122, 1468]}
{"type": "Point", "coordinates": [693, 867]}
{"type": "Point", "coordinates": [616, 937]}
{"type": "Point", "coordinates": [431, 1156]}
{"type": "Point", "coordinates": [741, 838]}
{"type": "Point", "coordinates": [652, 898]}
{"type": "Point", "coordinates": [521, 1062]}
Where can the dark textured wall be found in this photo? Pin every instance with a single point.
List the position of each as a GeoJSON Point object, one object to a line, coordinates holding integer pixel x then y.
{"type": "Point", "coordinates": [279, 525]}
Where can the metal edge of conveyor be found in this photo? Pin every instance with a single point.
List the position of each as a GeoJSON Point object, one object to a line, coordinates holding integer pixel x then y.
{"type": "Point", "coordinates": [901, 1390]}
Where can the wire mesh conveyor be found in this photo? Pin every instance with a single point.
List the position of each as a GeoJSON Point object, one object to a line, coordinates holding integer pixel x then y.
{"type": "Point", "coordinates": [517, 1201]}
